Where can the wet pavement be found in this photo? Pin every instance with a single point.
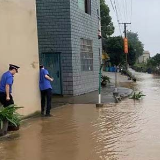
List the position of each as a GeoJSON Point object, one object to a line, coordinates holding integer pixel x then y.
{"type": "Point", "coordinates": [129, 130]}
{"type": "Point", "coordinates": [92, 97]}
{"type": "Point", "coordinates": [106, 92]}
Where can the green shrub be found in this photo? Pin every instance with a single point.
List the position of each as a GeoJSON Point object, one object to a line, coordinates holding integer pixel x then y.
{"type": "Point", "coordinates": [137, 96]}
{"type": "Point", "coordinates": [140, 67]}
{"type": "Point", "coordinates": [105, 78]}
{"type": "Point", "coordinates": [9, 113]}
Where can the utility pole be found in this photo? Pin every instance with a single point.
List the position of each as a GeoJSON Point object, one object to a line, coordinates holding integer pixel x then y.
{"type": "Point", "coordinates": [125, 36]}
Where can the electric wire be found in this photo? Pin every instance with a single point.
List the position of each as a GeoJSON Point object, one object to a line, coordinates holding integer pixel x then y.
{"type": "Point", "coordinates": [123, 10]}
{"type": "Point", "coordinates": [112, 5]}
{"type": "Point", "coordinates": [116, 13]}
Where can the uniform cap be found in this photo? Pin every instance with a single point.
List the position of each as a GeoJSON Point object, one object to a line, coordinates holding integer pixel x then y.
{"type": "Point", "coordinates": [14, 67]}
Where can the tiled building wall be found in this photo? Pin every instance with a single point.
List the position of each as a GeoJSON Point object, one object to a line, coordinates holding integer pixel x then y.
{"type": "Point", "coordinates": [54, 35]}
{"type": "Point", "coordinates": [61, 25]}
{"type": "Point", "coordinates": [85, 26]}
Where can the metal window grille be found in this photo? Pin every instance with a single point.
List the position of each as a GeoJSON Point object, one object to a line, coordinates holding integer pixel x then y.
{"type": "Point", "coordinates": [86, 55]}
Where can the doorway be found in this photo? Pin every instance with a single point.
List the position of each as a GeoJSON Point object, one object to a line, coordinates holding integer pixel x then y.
{"type": "Point", "coordinates": [52, 63]}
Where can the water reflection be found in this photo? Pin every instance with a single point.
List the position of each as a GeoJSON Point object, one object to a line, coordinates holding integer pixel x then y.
{"type": "Point", "coordinates": [116, 129]}
{"type": "Point", "coordinates": [125, 131]}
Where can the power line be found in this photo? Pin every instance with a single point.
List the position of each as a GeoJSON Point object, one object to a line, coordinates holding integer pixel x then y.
{"type": "Point", "coordinates": [119, 9]}
{"type": "Point", "coordinates": [127, 10]}
{"type": "Point", "coordinates": [112, 5]}
{"type": "Point", "coordinates": [126, 6]}
{"type": "Point", "coordinates": [118, 20]}
{"type": "Point", "coordinates": [116, 12]}
{"type": "Point", "coordinates": [125, 28]}
{"type": "Point", "coordinates": [123, 8]}
{"type": "Point", "coordinates": [120, 13]}
{"type": "Point", "coordinates": [131, 12]}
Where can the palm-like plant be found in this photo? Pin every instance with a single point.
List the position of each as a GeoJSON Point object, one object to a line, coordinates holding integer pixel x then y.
{"type": "Point", "coordinates": [137, 96]}
{"type": "Point", "coordinates": [104, 80]}
{"type": "Point", "coordinates": [9, 114]}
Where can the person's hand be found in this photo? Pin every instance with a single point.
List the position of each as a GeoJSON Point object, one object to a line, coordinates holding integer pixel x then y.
{"type": "Point", "coordinates": [52, 79]}
{"type": "Point", "coordinates": [7, 98]}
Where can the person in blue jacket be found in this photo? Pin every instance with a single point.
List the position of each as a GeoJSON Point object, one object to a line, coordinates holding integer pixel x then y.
{"type": "Point", "coordinates": [6, 83]}
{"type": "Point", "coordinates": [46, 90]}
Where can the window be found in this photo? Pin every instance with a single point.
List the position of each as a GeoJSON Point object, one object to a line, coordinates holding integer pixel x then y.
{"type": "Point", "coordinates": [85, 5]}
{"type": "Point", "coordinates": [81, 4]}
{"type": "Point", "coordinates": [86, 55]}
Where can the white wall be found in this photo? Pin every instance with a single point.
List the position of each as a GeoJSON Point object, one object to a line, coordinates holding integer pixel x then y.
{"type": "Point", "coordinates": [143, 58]}
{"type": "Point", "coordinates": [19, 45]}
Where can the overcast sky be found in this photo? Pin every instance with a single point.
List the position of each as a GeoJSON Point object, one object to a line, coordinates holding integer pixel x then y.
{"type": "Point", "coordinates": [145, 18]}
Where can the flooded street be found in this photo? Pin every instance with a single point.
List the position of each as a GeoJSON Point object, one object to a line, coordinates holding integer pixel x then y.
{"type": "Point", "coordinates": [129, 130]}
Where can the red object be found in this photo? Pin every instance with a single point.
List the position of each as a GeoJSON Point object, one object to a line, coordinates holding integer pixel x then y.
{"type": "Point", "coordinates": [125, 45]}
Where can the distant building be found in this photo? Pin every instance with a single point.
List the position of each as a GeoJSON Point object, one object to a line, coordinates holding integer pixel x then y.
{"type": "Point", "coordinates": [144, 57]}
{"type": "Point", "coordinates": [70, 44]}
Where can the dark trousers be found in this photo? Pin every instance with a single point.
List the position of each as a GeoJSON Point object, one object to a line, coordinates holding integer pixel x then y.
{"type": "Point", "coordinates": [46, 94]}
{"type": "Point", "coordinates": [3, 100]}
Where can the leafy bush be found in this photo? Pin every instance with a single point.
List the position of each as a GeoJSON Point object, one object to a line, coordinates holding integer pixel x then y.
{"type": "Point", "coordinates": [140, 67]}
{"type": "Point", "coordinates": [9, 113]}
{"type": "Point", "coordinates": [137, 96]}
{"type": "Point", "coordinates": [105, 78]}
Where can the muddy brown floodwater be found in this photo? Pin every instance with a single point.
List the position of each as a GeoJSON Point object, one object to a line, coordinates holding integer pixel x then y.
{"type": "Point", "coordinates": [129, 130]}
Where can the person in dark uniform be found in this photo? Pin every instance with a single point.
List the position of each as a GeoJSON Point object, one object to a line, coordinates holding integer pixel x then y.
{"type": "Point", "coordinates": [46, 90]}
{"type": "Point", "coordinates": [6, 83]}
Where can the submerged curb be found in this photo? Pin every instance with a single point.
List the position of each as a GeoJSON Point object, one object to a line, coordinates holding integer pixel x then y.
{"type": "Point", "coordinates": [119, 96]}
{"type": "Point", "coordinates": [98, 105]}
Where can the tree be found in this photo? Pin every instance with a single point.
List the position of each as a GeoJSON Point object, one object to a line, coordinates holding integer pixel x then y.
{"type": "Point", "coordinates": [114, 45]}
{"type": "Point", "coordinates": [136, 45]}
{"type": "Point", "coordinates": [131, 55]}
{"type": "Point", "coordinates": [115, 50]}
{"type": "Point", "coordinates": [154, 62]}
{"type": "Point", "coordinates": [106, 20]}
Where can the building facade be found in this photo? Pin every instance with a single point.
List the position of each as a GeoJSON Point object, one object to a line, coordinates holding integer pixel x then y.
{"type": "Point", "coordinates": [144, 57]}
{"type": "Point", "coordinates": [19, 46]}
{"type": "Point", "coordinates": [68, 43]}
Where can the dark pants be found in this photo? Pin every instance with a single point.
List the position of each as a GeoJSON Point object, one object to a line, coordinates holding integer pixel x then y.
{"type": "Point", "coordinates": [3, 100]}
{"type": "Point", "coordinates": [46, 94]}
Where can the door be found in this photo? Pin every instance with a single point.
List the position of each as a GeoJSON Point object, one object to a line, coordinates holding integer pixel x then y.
{"type": "Point", "coordinates": [52, 64]}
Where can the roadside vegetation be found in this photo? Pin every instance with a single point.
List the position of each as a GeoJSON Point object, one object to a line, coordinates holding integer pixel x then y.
{"type": "Point", "coordinates": [113, 46]}
{"type": "Point", "coordinates": [9, 119]}
{"type": "Point", "coordinates": [152, 65]}
{"type": "Point", "coordinates": [137, 95]}
{"type": "Point", "coordinates": [105, 80]}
